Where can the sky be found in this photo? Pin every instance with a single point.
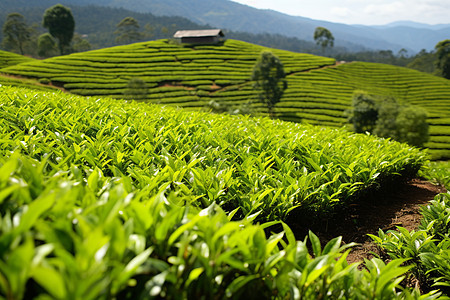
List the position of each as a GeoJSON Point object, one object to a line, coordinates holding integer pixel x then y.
{"type": "Point", "coordinates": [366, 12]}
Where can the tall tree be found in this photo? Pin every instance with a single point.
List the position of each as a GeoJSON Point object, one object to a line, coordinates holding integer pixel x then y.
{"type": "Point", "coordinates": [16, 33]}
{"type": "Point", "coordinates": [324, 38]}
{"type": "Point", "coordinates": [443, 58]}
{"type": "Point", "coordinates": [128, 31]}
{"type": "Point", "coordinates": [60, 23]}
{"type": "Point", "coordinates": [268, 74]}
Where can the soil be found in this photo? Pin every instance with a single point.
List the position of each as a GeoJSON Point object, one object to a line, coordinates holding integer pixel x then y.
{"type": "Point", "coordinates": [400, 206]}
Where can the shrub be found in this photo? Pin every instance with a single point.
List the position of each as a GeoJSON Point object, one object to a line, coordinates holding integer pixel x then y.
{"type": "Point", "coordinates": [136, 89]}
{"type": "Point", "coordinates": [385, 117]}
{"type": "Point", "coordinates": [365, 112]}
{"type": "Point", "coordinates": [412, 126]}
{"type": "Point", "coordinates": [386, 121]}
{"type": "Point", "coordinates": [44, 80]}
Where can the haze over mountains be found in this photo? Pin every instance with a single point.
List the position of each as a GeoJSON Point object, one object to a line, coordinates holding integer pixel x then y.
{"type": "Point", "coordinates": [234, 16]}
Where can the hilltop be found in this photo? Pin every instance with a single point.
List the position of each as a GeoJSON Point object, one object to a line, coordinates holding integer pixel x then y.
{"type": "Point", "coordinates": [320, 89]}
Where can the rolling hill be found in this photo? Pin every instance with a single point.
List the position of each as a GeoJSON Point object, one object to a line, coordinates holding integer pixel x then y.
{"type": "Point", "coordinates": [10, 59]}
{"type": "Point", "coordinates": [320, 89]}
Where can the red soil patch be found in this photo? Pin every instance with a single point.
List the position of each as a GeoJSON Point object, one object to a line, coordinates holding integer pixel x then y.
{"type": "Point", "coordinates": [399, 206]}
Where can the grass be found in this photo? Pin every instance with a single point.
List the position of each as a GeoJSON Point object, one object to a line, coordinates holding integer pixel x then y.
{"type": "Point", "coordinates": [191, 76]}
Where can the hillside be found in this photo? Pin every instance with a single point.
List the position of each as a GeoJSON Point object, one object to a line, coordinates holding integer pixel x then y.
{"type": "Point", "coordinates": [9, 59]}
{"type": "Point", "coordinates": [237, 17]}
{"type": "Point", "coordinates": [319, 89]}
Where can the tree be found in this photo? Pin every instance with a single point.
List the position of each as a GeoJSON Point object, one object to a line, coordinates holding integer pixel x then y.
{"type": "Point", "coordinates": [79, 44]}
{"type": "Point", "coordinates": [60, 23]}
{"type": "Point", "coordinates": [443, 58]}
{"type": "Point", "coordinates": [16, 33]}
{"type": "Point", "coordinates": [47, 46]}
{"type": "Point", "coordinates": [364, 113]}
{"type": "Point", "coordinates": [128, 31]}
{"type": "Point", "coordinates": [324, 38]}
{"type": "Point", "coordinates": [424, 62]}
{"type": "Point", "coordinates": [268, 74]}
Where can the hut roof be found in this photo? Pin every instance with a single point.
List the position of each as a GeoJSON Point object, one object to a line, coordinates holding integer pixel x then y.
{"type": "Point", "coordinates": [198, 33]}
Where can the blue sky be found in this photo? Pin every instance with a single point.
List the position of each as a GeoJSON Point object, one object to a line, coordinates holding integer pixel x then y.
{"type": "Point", "coordinates": [367, 12]}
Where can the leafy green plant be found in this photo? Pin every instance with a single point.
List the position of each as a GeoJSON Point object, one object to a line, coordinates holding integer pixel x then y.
{"type": "Point", "coordinates": [426, 249]}
{"type": "Point", "coordinates": [102, 200]}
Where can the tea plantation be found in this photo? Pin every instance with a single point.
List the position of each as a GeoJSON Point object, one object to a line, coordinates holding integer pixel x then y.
{"type": "Point", "coordinates": [10, 59]}
{"type": "Point", "coordinates": [103, 199]}
{"type": "Point", "coordinates": [319, 91]}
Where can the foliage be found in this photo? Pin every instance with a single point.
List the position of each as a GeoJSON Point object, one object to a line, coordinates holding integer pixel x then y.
{"type": "Point", "coordinates": [16, 33]}
{"type": "Point", "coordinates": [96, 203]}
{"type": "Point", "coordinates": [424, 62]}
{"type": "Point", "coordinates": [10, 59]}
{"type": "Point", "coordinates": [47, 45]}
{"type": "Point", "coordinates": [80, 44]}
{"type": "Point", "coordinates": [406, 124]}
{"type": "Point", "coordinates": [427, 249]}
{"type": "Point", "coordinates": [136, 89]}
{"type": "Point", "coordinates": [318, 93]}
{"type": "Point", "coordinates": [364, 112]}
{"type": "Point", "coordinates": [385, 117]}
{"type": "Point", "coordinates": [412, 126]}
{"type": "Point", "coordinates": [443, 58]}
{"type": "Point", "coordinates": [437, 172]}
{"type": "Point", "coordinates": [128, 31]}
{"type": "Point", "coordinates": [386, 125]}
{"type": "Point", "coordinates": [281, 168]}
{"type": "Point", "coordinates": [59, 21]}
{"type": "Point", "coordinates": [268, 74]}
{"type": "Point", "coordinates": [324, 38]}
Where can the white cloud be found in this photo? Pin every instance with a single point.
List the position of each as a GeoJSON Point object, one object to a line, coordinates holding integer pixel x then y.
{"type": "Point", "coordinates": [340, 12]}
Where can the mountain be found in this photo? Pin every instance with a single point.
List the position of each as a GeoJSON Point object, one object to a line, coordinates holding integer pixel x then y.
{"type": "Point", "coordinates": [413, 25]}
{"type": "Point", "coordinates": [230, 15]}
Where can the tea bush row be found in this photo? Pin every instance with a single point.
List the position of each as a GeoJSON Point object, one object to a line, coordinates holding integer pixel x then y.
{"type": "Point", "coordinates": [310, 78]}
{"type": "Point", "coordinates": [246, 163]}
{"type": "Point", "coordinates": [104, 199]}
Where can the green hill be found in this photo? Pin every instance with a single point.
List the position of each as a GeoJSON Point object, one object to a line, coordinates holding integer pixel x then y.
{"type": "Point", "coordinates": [10, 59]}
{"type": "Point", "coordinates": [319, 92]}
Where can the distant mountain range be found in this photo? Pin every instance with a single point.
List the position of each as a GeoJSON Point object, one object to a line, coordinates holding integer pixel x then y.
{"type": "Point", "coordinates": [227, 14]}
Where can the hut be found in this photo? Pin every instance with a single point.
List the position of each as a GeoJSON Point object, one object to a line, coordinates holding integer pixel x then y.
{"type": "Point", "coordinates": [207, 36]}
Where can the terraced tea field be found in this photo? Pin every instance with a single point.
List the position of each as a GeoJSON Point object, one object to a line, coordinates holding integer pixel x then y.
{"type": "Point", "coordinates": [10, 59]}
{"type": "Point", "coordinates": [104, 199]}
{"type": "Point", "coordinates": [319, 91]}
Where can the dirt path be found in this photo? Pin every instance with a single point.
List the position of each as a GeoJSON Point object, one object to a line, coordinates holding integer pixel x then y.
{"type": "Point", "coordinates": [397, 207]}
